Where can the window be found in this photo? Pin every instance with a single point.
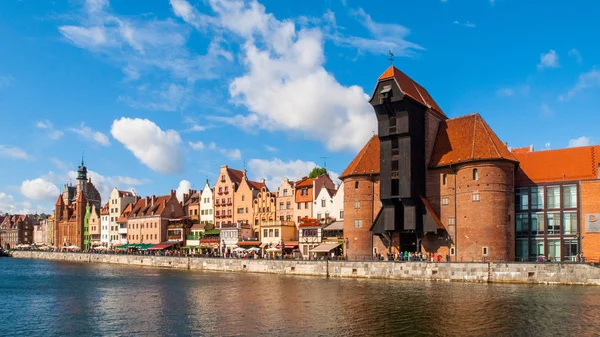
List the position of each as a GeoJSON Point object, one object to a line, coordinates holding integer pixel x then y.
{"type": "Point", "coordinates": [444, 179]}
{"type": "Point", "coordinates": [484, 251]}
{"type": "Point", "coordinates": [271, 232]}
{"type": "Point", "coordinates": [570, 250]}
{"type": "Point", "coordinates": [395, 150]}
{"type": "Point", "coordinates": [522, 250]}
{"type": "Point", "coordinates": [220, 190]}
{"type": "Point", "coordinates": [554, 249]}
{"type": "Point", "coordinates": [395, 165]}
{"type": "Point", "coordinates": [341, 214]}
{"type": "Point", "coordinates": [395, 187]}
{"type": "Point", "coordinates": [444, 201]}
{"type": "Point", "coordinates": [223, 178]}
{"type": "Point", "coordinates": [276, 232]}
{"type": "Point", "coordinates": [243, 197]}
{"type": "Point", "coordinates": [299, 205]}
{"type": "Point", "coordinates": [326, 215]}
{"type": "Point", "coordinates": [522, 199]}
{"type": "Point", "coordinates": [228, 200]}
{"type": "Point", "coordinates": [475, 174]}
{"type": "Point", "coordinates": [356, 184]}
{"type": "Point", "coordinates": [226, 189]}
{"type": "Point", "coordinates": [304, 191]}
{"type": "Point", "coordinates": [537, 198]}
{"type": "Point", "coordinates": [553, 196]}
{"type": "Point", "coordinates": [281, 205]}
{"type": "Point", "coordinates": [357, 223]}
{"type": "Point", "coordinates": [323, 203]}
{"type": "Point", "coordinates": [536, 248]}
{"type": "Point", "coordinates": [265, 232]}
{"type": "Point", "coordinates": [521, 223]}
{"type": "Point", "coordinates": [537, 223]}
{"type": "Point", "coordinates": [451, 221]}
{"type": "Point", "coordinates": [285, 192]}
{"type": "Point", "coordinates": [475, 197]}
{"type": "Point", "coordinates": [570, 196]}
{"type": "Point", "coordinates": [306, 205]}
{"type": "Point", "coordinates": [288, 205]}
{"type": "Point", "coordinates": [240, 210]}
{"type": "Point", "coordinates": [357, 204]}
{"type": "Point", "coordinates": [309, 232]}
{"type": "Point", "coordinates": [570, 223]}
{"type": "Point", "coordinates": [318, 216]}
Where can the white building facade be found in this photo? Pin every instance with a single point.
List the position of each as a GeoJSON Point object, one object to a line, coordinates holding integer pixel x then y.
{"type": "Point", "coordinates": [105, 225]}
{"type": "Point", "coordinates": [117, 202]}
{"type": "Point", "coordinates": [337, 211]}
{"type": "Point", "coordinates": [206, 205]}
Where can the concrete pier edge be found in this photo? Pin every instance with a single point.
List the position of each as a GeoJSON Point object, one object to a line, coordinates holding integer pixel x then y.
{"type": "Point", "coordinates": [481, 272]}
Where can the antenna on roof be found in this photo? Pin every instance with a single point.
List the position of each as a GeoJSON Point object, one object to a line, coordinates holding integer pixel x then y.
{"type": "Point", "coordinates": [391, 58]}
{"type": "Point", "coordinates": [82, 153]}
{"type": "Point", "coordinates": [324, 162]}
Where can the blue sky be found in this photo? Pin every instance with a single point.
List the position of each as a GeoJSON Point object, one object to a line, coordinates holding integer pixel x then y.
{"type": "Point", "coordinates": [159, 94]}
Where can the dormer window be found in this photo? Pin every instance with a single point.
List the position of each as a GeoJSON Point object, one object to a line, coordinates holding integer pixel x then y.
{"type": "Point", "coordinates": [386, 92]}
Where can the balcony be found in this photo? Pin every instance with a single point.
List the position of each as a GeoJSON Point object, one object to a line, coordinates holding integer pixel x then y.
{"type": "Point", "coordinates": [174, 237]}
{"type": "Point", "coordinates": [194, 237]}
{"type": "Point", "coordinates": [122, 230]}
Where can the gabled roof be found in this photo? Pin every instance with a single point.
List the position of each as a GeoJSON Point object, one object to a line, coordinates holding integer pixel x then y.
{"type": "Point", "coordinates": [465, 139]}
{"type": "Point", "coordinates": [104, 210]}
{"type": "Point", "coordinates": [125, 214]}
{"type": "Point", "coordinates": [255, 185]}
{"type": "Point", "coordinates": [125, 193]}
{"type": "Point", "coordinates": [236, 176]}
{"type": "Point", "coordinates": [576, 163]}
{"type": "Point", "coordinates": [411, 88]}
{"type": "Point", "coordinates": [305, 182]}
{"type": "Point", "coordinates": [60, 202]}
{"type": "Point", "coordinates": [366, 161]}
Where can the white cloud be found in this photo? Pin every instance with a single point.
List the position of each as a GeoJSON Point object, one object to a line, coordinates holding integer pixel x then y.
{"type": "Point", "coordinates": [581, 141]}
{"type": "Point", "coordinates": [467, 24]}
{"type": "Point", "coordinates": [586, 80]}
{"type": "Point", "coordinates": [141, 45]}
{"type": "Point", "coordinates": [384, 37]}
{"type": "Point", "coordinates": [270, 148]}
{"type": "Point", "coordinates": [548, 60]}
{"type": "Point", "coordinates": [39, 189]}
{"type": "Point", "coordinates": [159, 150]}
{"type": "Point", "coordinates": [233, 154]}
{"type": "Point", "coordinates": [275, 170]}
{"type": "Point", "coordinates": [95, 136]}
{"type": "Point", "coordinates": [282, 62]}
{"type": "Point", "coordinates": [184, 187]}
{"type": "Point", "coordinates": [512, 91]}
{"type": "Point", "coordinates": [13, 152]}
{"type": "Point", "coordinates": [104, 184]}
{"type": "Point", "coordinates": [197, 145]}
{"type": "Point", "coordinates": [194, 126]}
{"type": "Point", "coordinates": [8, 204]}
{"type": "Point", "coordinates": [575, 54]}
{"type": "Point", "coordinates": [170, 97]}
{"type": "Point", "coordinates": [49, 128]}
{"type": "Point", "coordinates": [61, 165]}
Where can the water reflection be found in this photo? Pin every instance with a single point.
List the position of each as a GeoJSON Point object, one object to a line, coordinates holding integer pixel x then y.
{"type": "Point", "coordinates": [59, 298]}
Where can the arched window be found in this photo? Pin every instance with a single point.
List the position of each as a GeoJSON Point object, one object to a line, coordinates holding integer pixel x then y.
{"type": "Point", "coordinates": [475, 174]}
{"type": "Point", "coordinates": [356, 184]}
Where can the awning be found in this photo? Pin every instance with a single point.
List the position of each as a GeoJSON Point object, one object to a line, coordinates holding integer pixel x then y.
{"type": "Point", "coordinates": [336, 225]}
{"type": "Point", "coordinates": [162, 246]}
{"type": "Point", "coordinates": [144, 246]}
{"type": "Point", "coordinates": [191, 247]}
{"type": "Point", "coordinates": [248, 243]}
{"type": "Point", "coordinates": [215, 231]}
{"type": "Point", "coordinates": [262, 245]}
{"type": "Point", "coordinates": [324, 248]}
{"type": "Point", "coordinates": [289, 245]}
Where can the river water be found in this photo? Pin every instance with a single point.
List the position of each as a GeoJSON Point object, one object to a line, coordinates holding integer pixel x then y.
{"type": "Point", "coordinates": [48, 298]}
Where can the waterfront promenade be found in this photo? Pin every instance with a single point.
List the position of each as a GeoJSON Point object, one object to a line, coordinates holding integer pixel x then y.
{"type": "Point", "coordinates": [486, 272]}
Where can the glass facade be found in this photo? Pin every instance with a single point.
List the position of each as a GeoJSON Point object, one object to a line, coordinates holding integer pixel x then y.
{"type": "Point", "coordinates": [547, 223]}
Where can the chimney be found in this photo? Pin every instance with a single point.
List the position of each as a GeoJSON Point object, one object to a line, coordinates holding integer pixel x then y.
{"type": "Point", "coordinates": [152, 200]}
{"type": "Point", "coordinates": [173, 193]}
{"type": "Point", "coordinates": [262, 180]}
{"type": "Point", "coordinates": [531, 148]}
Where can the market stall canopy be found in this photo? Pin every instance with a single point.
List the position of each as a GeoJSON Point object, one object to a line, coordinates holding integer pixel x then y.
{"type": "Point", "coordinates": [324, 248]}
{"type": "Point", "coordinates": [162, 246]}
{"type": "Point", "coordinates": [253, 249]}
{"type": "Point", "coordinates": [249, 243]}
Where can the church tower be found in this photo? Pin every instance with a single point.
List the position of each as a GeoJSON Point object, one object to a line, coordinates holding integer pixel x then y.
{"type": "Point", "coordinates": [408, 119]}
{"type": "Point", "coordinates": [81, 177]}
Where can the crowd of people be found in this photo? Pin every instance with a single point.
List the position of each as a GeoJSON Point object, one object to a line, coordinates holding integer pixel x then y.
{"type": "Point", "coordinates": [407, 256]}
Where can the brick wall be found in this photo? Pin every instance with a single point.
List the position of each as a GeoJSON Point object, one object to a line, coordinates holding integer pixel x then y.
{"type": "Point", "coordinates": [367, 192]}
{"type": "Point", "coordinates": [590, 203]}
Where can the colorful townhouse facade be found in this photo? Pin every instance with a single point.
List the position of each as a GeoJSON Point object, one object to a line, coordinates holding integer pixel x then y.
{"type": "Point", "coordinates": [285, 202]}
{"type": "Point", "coordinates": [207, 207]}
{"type": "Point", "coordinates": [117, 202]}
{"type": "Point", "coordinates": [16, 229]}
{"type": "Point", "coordinates": [147, 220]}
{"type": "Point", "coordinates": [227, 183]}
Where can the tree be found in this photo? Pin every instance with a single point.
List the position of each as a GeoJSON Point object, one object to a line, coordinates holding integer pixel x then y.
{"type": "Point", "coordinates": [317, 171]}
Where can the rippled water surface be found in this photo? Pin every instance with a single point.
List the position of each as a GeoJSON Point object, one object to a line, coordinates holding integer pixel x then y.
{"type": "Point", "coordinates": [45, 298]}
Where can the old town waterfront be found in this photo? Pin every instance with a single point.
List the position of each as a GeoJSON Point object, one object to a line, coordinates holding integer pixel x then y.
{"type": "Point", "coordinates": [62, 298]}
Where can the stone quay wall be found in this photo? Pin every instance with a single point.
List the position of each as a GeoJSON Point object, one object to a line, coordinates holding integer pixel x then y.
{"type": "Point", "coordinates": [530, 273]}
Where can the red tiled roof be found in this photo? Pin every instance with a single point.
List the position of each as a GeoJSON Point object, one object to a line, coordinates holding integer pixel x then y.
{"type": "Point", "coordinates": [305, 182]}
{"type": "Point", "coordinates": [522, 149]}
{"type": "Point", "coordinates": [60, 202]}
{"type": "Point", "coordinates": [467, 138]}
{"type": "Point", "coordinates": [105, 210]}
{"type": "Point", "coordinates": [125, 214]}
{"type": "Point", "coordinates": [255, 185]}
{"type": "Point", "coordinates": [411, 88]}
{"type": "Point", "coordinates": [236, 176]}
{"type": "Point", "coordinates": [366, 161]}
{"type": "Point", "coordinates": [576, 163]}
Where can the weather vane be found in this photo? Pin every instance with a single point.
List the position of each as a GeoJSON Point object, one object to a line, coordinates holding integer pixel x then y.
{"type": "Point", "coordinates": [391, 59]}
